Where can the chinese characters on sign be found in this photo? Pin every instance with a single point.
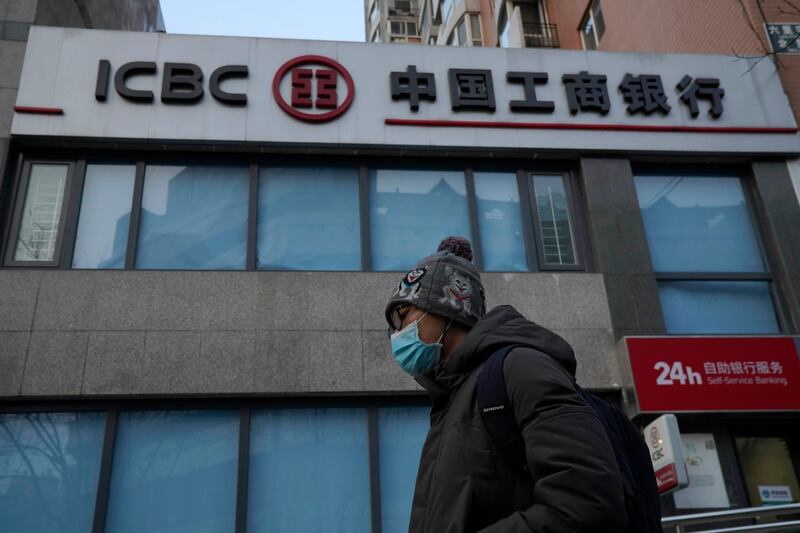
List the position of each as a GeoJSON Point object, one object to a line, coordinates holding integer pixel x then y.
{"type": "Point", "coordinates": [784, 38]}
{"type": "Point", "coordinates": [473, 89]}
{"type": "Point", "coordinates": [715, 373]}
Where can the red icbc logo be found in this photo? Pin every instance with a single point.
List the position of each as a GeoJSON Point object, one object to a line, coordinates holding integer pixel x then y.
{"type": "Point", "coordinates": [313, 87]}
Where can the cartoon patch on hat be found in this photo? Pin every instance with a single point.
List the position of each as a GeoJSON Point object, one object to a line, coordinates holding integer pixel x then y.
{"type": "Point", "coordinates": [458, 291]}
{"type": "Point", "coordinates": [409, 286]}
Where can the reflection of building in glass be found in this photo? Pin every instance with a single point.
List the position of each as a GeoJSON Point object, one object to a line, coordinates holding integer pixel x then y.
{"type": "Point", "coordinates": [203, 224]}
{"type": "Point", "coordinates": [715, 229]}
{"type": "Point", "coordinates": [308, 219]}
{"type": "Point", "coordinates": [403, 221]}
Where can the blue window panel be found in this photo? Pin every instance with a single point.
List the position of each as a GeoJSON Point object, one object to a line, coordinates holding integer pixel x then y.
{"type": "Point", "coordinates": [401, 433]}
{"type": "Point", "coordinates": [102, 238]}
{"type": "Point", "coordinates": [555, 221]}
{"type": "Point", "coordinates": [309, 471]}
{"type": "Point", "coordinates": [193, 218]}
{"type": "Point", "coordinates": [411, 211]}
{"type": "Point", "coordinates": [174, 471]}
{"type": "Point", "coordinates": [308, 219]}
{"type": "Point", "coordinates": [698, 224]}
{"type": "Point", "coordinates": [500, 222]}
{"type": "Point", "coordinates": [49, 468]}
{"type": "Point", "coordinates": [735, 307]}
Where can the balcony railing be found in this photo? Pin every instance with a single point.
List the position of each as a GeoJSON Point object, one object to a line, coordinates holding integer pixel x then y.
{"type": "Point", "coordinates": [540, 35]}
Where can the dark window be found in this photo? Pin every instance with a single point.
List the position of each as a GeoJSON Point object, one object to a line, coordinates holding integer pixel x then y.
{"type": "Point", "coordinates": [502, 27]}
{"type": "Point", "coordinates": [592, 26]}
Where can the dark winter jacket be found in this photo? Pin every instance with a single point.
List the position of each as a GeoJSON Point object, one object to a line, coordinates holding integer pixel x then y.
{"type": "Point", "coordinates": [463, 483]}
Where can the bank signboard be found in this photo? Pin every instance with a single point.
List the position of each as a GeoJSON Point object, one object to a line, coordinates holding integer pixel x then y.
{"type": "Point", "coordinates": [163, 87]}
{"type": "Point", "coordinates": [663, 440]}
{"type": "Point", "coordinates": [693, 374]}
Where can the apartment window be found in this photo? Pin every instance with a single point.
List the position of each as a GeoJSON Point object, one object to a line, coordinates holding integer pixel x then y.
{"type": "Point", "coordinates": [712, 277]}
{"type": "Point", "coordinates": [105, 216]}
{"type": "Point", "coordinates": [461, 30]}
{"type": "Point", "coordinates": [49, 471]}
{"type": "Point", "coordinates": [446, 11]}
{"type": "Point", "coordinates": [174, 471]}
{"type": "Point", "coordinates": [475, 27]}
{"type": "Point", "coordinates": [374, 14]}
{"type": "Point", "coordinates": [40, 221]}
{"type": "Point", "coordinates": [403, 5]}
{"type": "Point", "coordinates": [193, 217]}
{"type": "Point", "coordinates": [467, 32]}
{"type": "Point", "coordinates": [411, 211]}
{"type": "Point", "coordinates": [308, 218]}
{"type": "Point", "coordinates": [503, 27]}
{"type": "Point", "coordinates": [423, 24]}
{"type": "Point", "coordinates": [403, 28]}
{"type": "Point", "coordinates": [592, 26]}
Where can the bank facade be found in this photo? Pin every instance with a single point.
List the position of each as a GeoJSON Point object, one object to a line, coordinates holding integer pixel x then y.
{"type": "Point", "coordinates": [200, 234]}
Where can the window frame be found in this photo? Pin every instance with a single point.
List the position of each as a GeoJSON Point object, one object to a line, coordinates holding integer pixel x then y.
{"type": "Point", "coordinates": [74, 217]}
{"type": "Point", "coordinates": [67, 216]}
{"type": "Point", "coordinates": [467, 165]}
{"type": "Point", "coordinates": [472, 39]}
{"type": "Point", "coordinates": [469, 38]}
{"type": "Point", "coordinates": [757, 219]}
{"type": "Point", "coordinates": [245, 408]}
{"type": "Point", "coordinates": [503, 23]}
{"type": "Point", "coordinates": [573, 207]}
{"type": "Point", "coordinates": [587, 17]}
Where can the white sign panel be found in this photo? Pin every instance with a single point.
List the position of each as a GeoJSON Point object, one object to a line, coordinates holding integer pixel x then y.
{"type": "Point", "coordinates": [663, 439]}
{"type": "Point", "coordinates": [775, 494]}
{"type": "Point", "coordinates": [706, 488]}
{"type": "Point", "coordinates": [162, 87]}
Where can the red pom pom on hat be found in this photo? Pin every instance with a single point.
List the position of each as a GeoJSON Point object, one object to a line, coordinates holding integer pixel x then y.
{"type": "Point", "coordinates": [456, 245]}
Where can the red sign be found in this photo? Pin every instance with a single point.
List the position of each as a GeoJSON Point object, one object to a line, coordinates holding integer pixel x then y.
{"type": "Point", "coordinates": [314, 87]}
{"type": "Point", "coordinates": [666, 478]}
{"type": "Point", "coordinates": [715, 373]}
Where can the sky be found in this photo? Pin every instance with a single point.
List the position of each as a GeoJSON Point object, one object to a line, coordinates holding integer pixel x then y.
{"type": "Point", "coordinates": [334, 20]}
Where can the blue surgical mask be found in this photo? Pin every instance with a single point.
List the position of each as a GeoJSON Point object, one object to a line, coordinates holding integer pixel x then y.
{"type": "Point", "coordinates": [413, 355]}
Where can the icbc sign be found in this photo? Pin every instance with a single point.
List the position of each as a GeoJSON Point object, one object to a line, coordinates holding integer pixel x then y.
{"type": "Point", "coordinates": [715, 373]}
{"type": "Point", "coordinates": [315, 92]}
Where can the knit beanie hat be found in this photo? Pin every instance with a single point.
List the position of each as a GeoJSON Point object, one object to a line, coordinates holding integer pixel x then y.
{"type": "Point", "coordinates": [445, 283]}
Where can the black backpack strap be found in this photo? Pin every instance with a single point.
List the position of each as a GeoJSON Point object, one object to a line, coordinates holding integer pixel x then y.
{"type": "Point", "coordinates": [496, 411]}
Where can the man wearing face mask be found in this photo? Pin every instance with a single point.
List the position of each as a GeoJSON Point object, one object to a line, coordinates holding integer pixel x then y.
{"type": "Point", "coordinates": [442, 335]}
